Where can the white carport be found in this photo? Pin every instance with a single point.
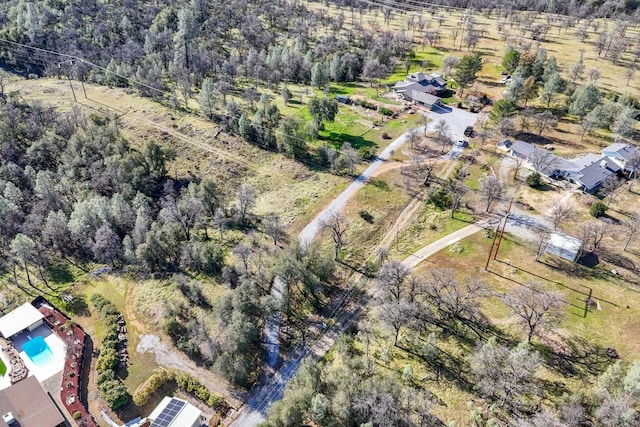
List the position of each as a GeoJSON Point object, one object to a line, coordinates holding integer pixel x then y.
{"type": "Point", "coordinates": [25, 317]}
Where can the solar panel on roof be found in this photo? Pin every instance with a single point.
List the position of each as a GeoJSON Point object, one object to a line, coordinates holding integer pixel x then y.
{"type": "Point", "coordinates": [169, 413]}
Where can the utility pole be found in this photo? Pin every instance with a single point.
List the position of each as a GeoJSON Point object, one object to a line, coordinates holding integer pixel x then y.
{"type": "Point", "coordinates": [495, 235]}
{"type": "Point", "coordinates": [69, 62]}
{"type": "Point", "coordinates": [506, 219]}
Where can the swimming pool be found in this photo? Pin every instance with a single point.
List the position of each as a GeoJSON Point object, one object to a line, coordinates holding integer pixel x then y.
{"type": "Point", "coordinates": [38, 351]}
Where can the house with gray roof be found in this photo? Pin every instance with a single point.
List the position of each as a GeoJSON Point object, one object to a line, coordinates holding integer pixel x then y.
{"type": "Point", "coordinates": [425, 99]}
{"type": "Point", "coordinates": [590, 170]}
{"type": "Point", "coordinates": [547, 163]}
{"type": "Point", "coordinates": [431, 84]}
{"type": "Point", "coordinates": [623, 155]}
{"type": "Point", "coordinates": [594, 175]}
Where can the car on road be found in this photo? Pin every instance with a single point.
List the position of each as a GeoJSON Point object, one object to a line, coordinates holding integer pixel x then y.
{"type": "Point", "coordinates": [505, 80]}
{"type": "Point", "coordinates": [462, 143]}
{"type": "Point", "coordinates": [468, 131]}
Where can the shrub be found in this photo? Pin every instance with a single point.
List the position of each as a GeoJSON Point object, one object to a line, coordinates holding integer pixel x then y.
{"type": "Point", "coordinates": [441, 199]}
{"type": "Point", "coordinates": [76, 415]}
{"type": "Point", "coordinates": [368, 105]}
{"type": "Point", "coordinates": [115, 393]}
{"type": "Point", "coordinates": [534, 179]}
{"type": "Point", "coordinates": [598, 209]}
{"type": "Point", "coordinates": [367, 153]}
{"type": "Point", "coordinates": [364, 214]}
{"type": "Point", "coordinates": [108, 360]}
{"type": "Point", "coordinates": [191, 385]}
{"type": "Point", "coordinates": [386, 111]}
{"type": "Point", "coordinates": [157, 379]}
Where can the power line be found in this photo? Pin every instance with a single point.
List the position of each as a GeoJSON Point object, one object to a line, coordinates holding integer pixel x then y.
{"type": "Point", "coordinates": [84, 61]}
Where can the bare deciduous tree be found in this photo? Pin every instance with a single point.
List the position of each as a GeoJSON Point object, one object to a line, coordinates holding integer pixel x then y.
{"type": "Point", "coordinates": [507, 376]}
{"type": "Point", "coordinates": [443, 134]}
{"type": "Point", "coordinates": [391, 278]}
{"type": "Point", "coordinates": [337, 224]}
{"type": "Point", "coordinates": [395, 315]}
{"type": "Point", "coordinates": [413, 137]}
{"type": "Point", "coordinates": [456, 299]}
{"type": "Point", "coordinates": [593, 74]}
{"type": "Point", "coordinates": [542, 161]}
{"type": "Point", "coordinates": [246, 201]}
{"type": "Point", "coordinates": [492, 189]}
{"type": "Point", "coordinates": [591, 234]}
{"type": "Point", "coordinates": [535, 307]}
{"type": "Point", "coordinates": [456, 190]}
{"type": "Point", "coordinates": [544, 121]}
{"type": "Point", "coordinates": [243, 252]}
{"type": "Point", "coordinates": [542, 234]}
{"type": "Point", "coordinates": [273, 228]}
{"type": "Point", "coordinates": [629, 72]}
{"type": "Point", "coordinates": [612, 188]}
{"type": "Point", "coordinates": [632, 226]}
{"type": "Point", "coordinates": [561, 212]}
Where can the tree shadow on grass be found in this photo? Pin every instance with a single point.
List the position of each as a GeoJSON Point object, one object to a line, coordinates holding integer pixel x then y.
{"type": "Point", "coordinates": [60, 273]}
{"type": "Point", "coordinates": [533, 138]}
{"type": "Point", "coordinates": [78, 306]}
{"type": "Point", "coordinates": [445, 365]}
{"type": "Point", "coordinates": [337, 139]}
{"type": "Point", "coordinates": [575, 357]}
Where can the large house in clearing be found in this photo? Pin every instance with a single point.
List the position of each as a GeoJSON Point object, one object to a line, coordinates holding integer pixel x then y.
{"type": "Point", "coordinates": [422, 88]}
{"type": "Point", "coordinates": [590, 170]}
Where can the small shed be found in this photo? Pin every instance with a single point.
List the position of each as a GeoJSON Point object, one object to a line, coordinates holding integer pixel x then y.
{"type": "Point", "coordinates": [564, 246]}
{"type": "Point", "coordinates": [25, 317]}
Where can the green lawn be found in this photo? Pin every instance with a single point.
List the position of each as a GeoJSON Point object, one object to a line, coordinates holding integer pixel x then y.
{"type": "Point", "coordinates": [431, 225]}
{"type": "Point", "coordinates": [3, 368]}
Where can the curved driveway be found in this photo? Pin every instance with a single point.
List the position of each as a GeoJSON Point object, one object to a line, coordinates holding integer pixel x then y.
{"type": "Point", "coordinates": [264, 395]}
{"type": "Point", "coordinates": [457, 120]}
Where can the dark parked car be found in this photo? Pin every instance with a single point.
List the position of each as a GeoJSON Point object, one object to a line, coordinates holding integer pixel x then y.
{"type": "Point", "coordinates": [468, 131]}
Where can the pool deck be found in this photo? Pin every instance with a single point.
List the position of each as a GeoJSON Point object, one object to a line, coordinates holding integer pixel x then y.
{"type": "Point", "coordinates": [76, 340]}
{"type": "Point", "coordinates": [42, 371]}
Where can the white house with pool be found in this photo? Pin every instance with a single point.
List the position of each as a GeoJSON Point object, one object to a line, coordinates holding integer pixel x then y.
{"type": "Point", "coordinates": [42, 352]}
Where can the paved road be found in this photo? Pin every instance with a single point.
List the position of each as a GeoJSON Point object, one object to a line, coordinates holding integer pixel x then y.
{"type": "Point", "coordinates": [266, 394]}
{"type": "Point", "coordinates": [420, 255]}
{"type": "Point", "coordinates": [311, 230]}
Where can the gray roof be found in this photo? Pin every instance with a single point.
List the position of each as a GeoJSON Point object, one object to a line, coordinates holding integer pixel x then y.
{"type": "Point", "coordinates": [418, 77]}
{"type": "Point", "coordinates": [440, 81]}
{"type": "Point", "coordinates": [432, 89]}
{"type": "Point", "coordinates": [523, 149]}
{"type": "Point", "coordinates": [424, 98]}
{"type": "Point", "coordinates": [405, 86]}
{"type": "Point", "coordinates": [560, 164]}
{"type": "Point", "coordinates": [589, 159]}
{"type": "Point", "coordinates": [594, 175]}
{"type": "Point", "coordinates": [625, 151]}
{"type": "Point", "coordinates": [564, 246]}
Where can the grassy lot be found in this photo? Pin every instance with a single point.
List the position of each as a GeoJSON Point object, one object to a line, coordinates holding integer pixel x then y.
{"type": "Point", "coordinates": [3, 368]}
{"type": "Point", "coordinates": [383, 199]}
{"type": "Point", "coordinates": [584, 332]}
{"type": "Point", "coordinates": [430, 225]}
{"type": "Point", "coordinates": [115, 289]}
{"type": "Point", "coordinates": [284, 186]}
{"type": "Point", "coordinates": [615, 324]}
